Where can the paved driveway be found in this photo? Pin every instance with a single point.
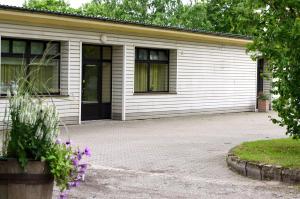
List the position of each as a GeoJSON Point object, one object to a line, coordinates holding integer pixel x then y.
{"type": "Point", "coordinates": [181, 157]}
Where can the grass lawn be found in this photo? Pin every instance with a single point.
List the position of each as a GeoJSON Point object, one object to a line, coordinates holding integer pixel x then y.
{"type": "Point", "coordinates": [283, 152]}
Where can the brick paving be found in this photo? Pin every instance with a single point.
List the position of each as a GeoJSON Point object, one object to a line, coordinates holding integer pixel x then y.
{"type": "Point", "coordinates": [182, 157]}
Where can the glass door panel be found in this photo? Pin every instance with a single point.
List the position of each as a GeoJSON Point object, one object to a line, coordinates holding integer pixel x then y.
{"type": "Point", "coordinates": [90, 84]}
{"type": "Point", "coordinates": [106, 82]}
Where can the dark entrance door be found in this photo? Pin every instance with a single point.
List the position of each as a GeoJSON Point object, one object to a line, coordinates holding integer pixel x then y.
{"type": "Point", "coordinates": [260, 79]}
{"type": "Point", "coordinates": [96, 82]}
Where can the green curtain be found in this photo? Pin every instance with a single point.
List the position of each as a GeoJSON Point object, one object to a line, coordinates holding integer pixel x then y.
{"type": "Point", "coordinates": [10, 71]}
{"type": "Point", "coordinates": [44, 76]}
{"type": "Point", "coordinates": [159, 77]}
{"type": "Point", "coordinates": [140, 77]}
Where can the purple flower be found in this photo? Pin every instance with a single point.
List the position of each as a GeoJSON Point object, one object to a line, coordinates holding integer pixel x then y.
{"type": "Point", "coordinates": [79, 156]}
{"type": "Point", "coordinates": [70, 184]}
{"type": "Point", "coordinates": [74, 184]}
{"type": "Point", "coordinates": [77, 174]}
{"type": "Point", "coordinates": [63, 195]}
{"type": "Point", "coordinates": [68, 142]}
{"type": "Point", "coordinates": [58, 141]}
{"type": "Point", "coordinates": [83, 166]}
{"type": "Point", "coordinates": [87, 151]}
{"type": "Point", "coordinates": [82, 169]}
{"type": "Point", "coordinates": [75, 162]}
{"type": "Point", "coordinates": [77, 151]}
{"type": "Point", "coordinates": [77, 183]}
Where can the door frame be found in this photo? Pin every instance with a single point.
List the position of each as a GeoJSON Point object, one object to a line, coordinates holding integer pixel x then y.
{"type": "Point", "coordinates": [99, 62]}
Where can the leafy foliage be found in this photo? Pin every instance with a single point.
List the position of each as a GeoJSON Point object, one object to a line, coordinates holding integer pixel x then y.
{"type": "Point", "coordinates": [276, 38]}
{"type": "Point", "coordinates": [64, 163]}
{"type": "Point", "coordinates": [263, 96]}
{"type": "Point", "coordinates": [234, 16]}
{"type": "Point", "coordinates": [60, 164]}
{"type": "Point", "coordinates": [159, 12]}
{"type": "Point", "coordinates": [32, 131]}
{"type": "Point", "coordinates": [52, 5]}
{"type": "Point", "coordinates": [34, 127]}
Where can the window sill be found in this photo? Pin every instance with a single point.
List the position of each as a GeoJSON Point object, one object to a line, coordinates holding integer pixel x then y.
{"type": "Point", "coordinates": [156, 93]}
{"type": "Point", "coordinates": [45, 96]}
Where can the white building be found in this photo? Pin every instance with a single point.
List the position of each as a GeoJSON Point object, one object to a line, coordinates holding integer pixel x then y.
{"type": "Point", "coordinates": [104, 68]}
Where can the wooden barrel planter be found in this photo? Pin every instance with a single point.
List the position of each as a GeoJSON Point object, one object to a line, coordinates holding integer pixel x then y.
{"type": "Point", "coordinates": [33, 182]}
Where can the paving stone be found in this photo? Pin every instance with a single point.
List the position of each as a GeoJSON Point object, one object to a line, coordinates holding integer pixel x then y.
{"type": "Point", "coordinates": [172, 158]}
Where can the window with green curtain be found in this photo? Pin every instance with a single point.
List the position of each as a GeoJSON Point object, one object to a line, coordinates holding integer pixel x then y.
{"type": "Point", "coordinates": [141, 77]}
{"type": "Point", "coordinates": [10, 71]}
{"type": "Point", "coordinates": [39, 61]}
{"type": "Point", "coordinates": [43, 75]}
{"type": "Point", "coordinates": [158, 77]}
{"type": "Point", "coordinates": [151, 73]}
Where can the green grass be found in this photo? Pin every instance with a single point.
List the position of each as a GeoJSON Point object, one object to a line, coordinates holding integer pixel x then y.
{"type": "Point", "coordinates": [283, 152]}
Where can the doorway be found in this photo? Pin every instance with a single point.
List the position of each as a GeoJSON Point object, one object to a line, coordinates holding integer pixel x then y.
{"type": "Point", "coordinates": [260, 78]}
{"type": "Point", "coordinates": [96, 82]}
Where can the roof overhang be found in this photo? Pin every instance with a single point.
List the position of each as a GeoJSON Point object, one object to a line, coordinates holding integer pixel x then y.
{"type": "Point", "coordinates": [70, 22]}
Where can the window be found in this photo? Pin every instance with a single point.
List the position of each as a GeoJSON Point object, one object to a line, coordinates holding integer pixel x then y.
{"type": "Point", "coordinates": [39, 61]}
{"type": "Point", "coordinates": [151, 73]}
{"type": "Point", "coordinates": [37, 48]}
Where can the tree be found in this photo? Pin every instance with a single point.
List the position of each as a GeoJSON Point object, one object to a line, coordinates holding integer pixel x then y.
{"type": "Point", "coordinates": [277, 38]}
{"type": "Point", "coordinates": [51, 5]}
{"type": "Point", "coordinates": [232, 16]}
{"type": "Point", "coordinates": [124, 10]}
{"type": "Point", "coordinates": [165, 12]}
{"type": "Point", "coordinates": [195, 16]}
{"type": "Point", "coordinates": [159, 12]}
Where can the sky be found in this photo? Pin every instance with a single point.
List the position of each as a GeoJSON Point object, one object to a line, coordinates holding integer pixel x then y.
{"type": "Point", "coordinates": [74, 3]}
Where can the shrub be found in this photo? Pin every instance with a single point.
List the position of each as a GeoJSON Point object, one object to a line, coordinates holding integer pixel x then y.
{"type": "Point", "coordinates": [276, 39]}
{"type": "Point", "coordinates": [32, 134]}
{"type": "Point", "coordinates": [263, 96]}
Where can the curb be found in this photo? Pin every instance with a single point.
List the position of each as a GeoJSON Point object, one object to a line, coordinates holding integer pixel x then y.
{"type": "Point", "coordinates": [262, 171]}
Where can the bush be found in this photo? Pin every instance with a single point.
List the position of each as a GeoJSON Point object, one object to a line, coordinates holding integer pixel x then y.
{"type": "Point", "coordinates": [276, 39]}
{"type": "Point", "coordinates": [32, 134]}
{"type": "Point", "coordinates": [263, 96]}
{"type": "Point", "coordinates": [34, 127]}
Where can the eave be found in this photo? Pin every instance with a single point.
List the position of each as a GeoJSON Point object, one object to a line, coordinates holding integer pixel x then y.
{"type": "Point", "coordinates": [81, 23]}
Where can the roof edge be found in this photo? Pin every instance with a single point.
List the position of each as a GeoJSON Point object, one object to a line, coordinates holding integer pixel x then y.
{"type": "Point", "coordinates": [12, 13]}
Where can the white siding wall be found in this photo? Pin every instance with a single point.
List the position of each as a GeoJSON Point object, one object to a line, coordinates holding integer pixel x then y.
{"type": "Point", "coordinates": [173, 71]}
{"type": "Point", "coordinates": [208, 78]}
{"type": "Point", "coordinates": [68, 103]}
{"type": "Point", "coordinates": [64, 67]}
{"type": "Point", "coordinates": [117, 65]}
